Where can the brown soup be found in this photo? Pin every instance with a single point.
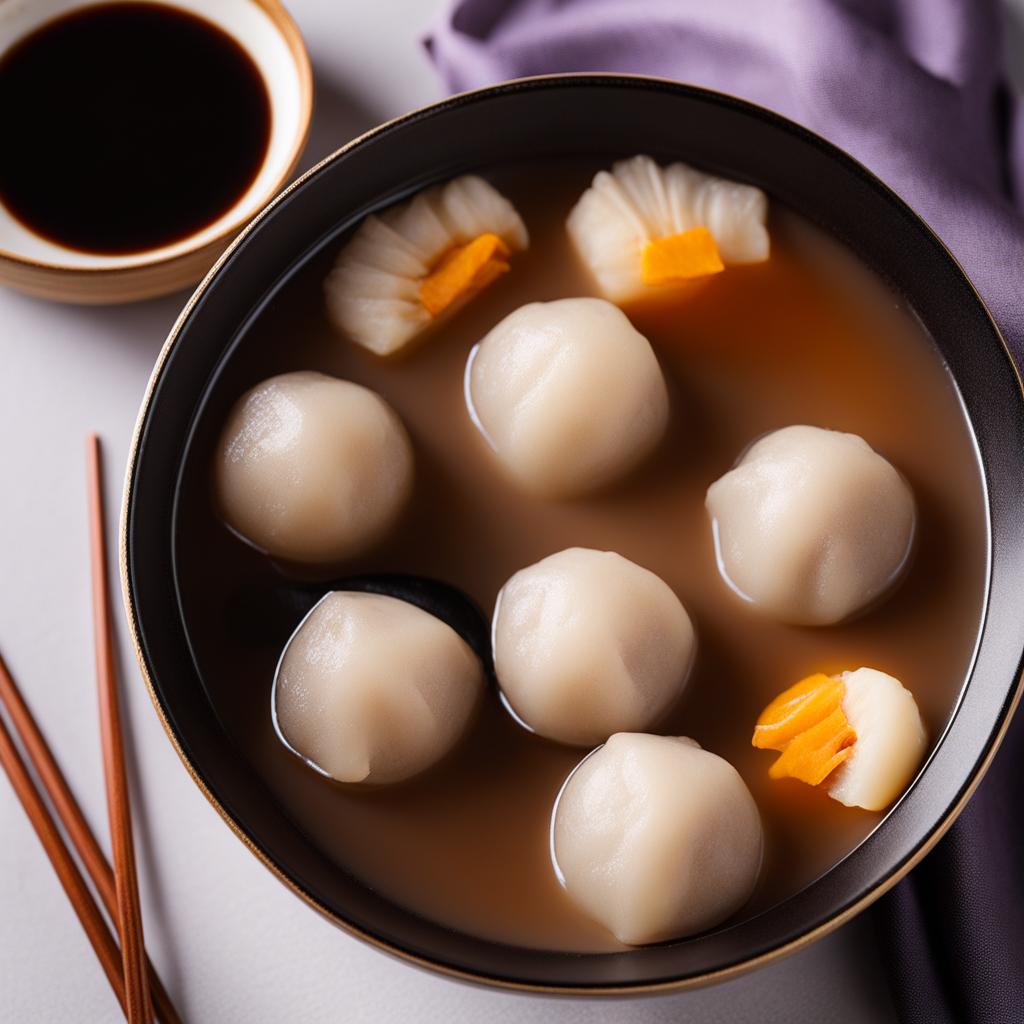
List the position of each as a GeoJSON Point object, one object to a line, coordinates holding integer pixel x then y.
{"type": "Point", "coordinates": [811, 336]}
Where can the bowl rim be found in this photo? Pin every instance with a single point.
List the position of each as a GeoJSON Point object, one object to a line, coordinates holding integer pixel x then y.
{"type": "Point", "coordinates": [994, 738]}
{"type": "Point", "coordinates": [285, 26]}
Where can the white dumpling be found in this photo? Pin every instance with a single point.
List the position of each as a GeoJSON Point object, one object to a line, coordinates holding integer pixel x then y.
{"type": "Point", "coordinates": [811, 525]}
{"type": "Point", "coordinates": [620, 225]}
{"type": "Point", "coordinates": [858, 734]}
{"type": "Point", "coordinates": [656, 839]}
{"type": "Point", "coordinates": [376, 292]}
{"type": "Point", "coordinates": [311, 468]}
{"type": "Point", "coordinates": [587, 643]}
{"type": "Point", "coordinates": [568, 394]}
{"type": "Point", "coordinates": [373, 689]}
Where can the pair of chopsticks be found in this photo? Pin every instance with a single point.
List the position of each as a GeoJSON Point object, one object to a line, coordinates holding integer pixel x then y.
{"type": "Point", "coordinates": [128, 969]}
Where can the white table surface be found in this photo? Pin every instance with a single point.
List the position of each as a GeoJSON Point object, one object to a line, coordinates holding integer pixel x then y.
{"type": "Point", "coordinates": [231, 943]}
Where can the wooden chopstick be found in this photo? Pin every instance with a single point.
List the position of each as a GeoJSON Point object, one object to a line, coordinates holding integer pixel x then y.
{"type": "Point", "coordinates": [70, 877]}
{"type": "Point", "coordinates": [138, 1007]}
{"type": "Point", "coordinates": [71, 817]}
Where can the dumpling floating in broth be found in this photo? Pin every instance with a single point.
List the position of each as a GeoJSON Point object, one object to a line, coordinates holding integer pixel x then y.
{"type": "Point", "coordinates": [655, 838]}
{"type": "Point", "coordinates": [373, 689]}
{"type": "Point", "coordinates": [588, 643]}
{"type": "Point", "coordinates": [811, 525]}
{"type": "Point", "coordinates": [405, 269]}
{"type": "Point", "coordinates": [859, 734]}
{"type": "Point", "coordinates": [641, 228]}
{"type": "Point", "coordinates": [312, 469]}
{"type": "Point", "coordinates": [568, 394]}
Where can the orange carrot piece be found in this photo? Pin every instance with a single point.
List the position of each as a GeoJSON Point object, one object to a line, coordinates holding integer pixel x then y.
{"type": "Point", "coordinates": [689, 254]}
{"type": "Point", "coordinates": [806, 723]}
{"type": "Point", "coordinates": [813, 755]}
{"type": "Point", "coordinates": [796, 709]}
{"type": "Point", "coordinates": [464, 271]}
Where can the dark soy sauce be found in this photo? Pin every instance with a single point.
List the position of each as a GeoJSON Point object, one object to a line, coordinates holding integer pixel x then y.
{"type": "Point", "coordinates": [128, 126]}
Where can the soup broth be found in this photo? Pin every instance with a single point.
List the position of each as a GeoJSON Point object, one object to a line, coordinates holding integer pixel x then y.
{"type": "Point", "coordinates": [810, 336]}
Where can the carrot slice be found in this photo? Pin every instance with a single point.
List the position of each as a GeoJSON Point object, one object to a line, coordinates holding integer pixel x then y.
{"type": "Point", "coordinates": [463, 271]}
{"type": "Point", "coordinates": [806, 723]}
{"type": "Point", "coordinates": [679, 257]}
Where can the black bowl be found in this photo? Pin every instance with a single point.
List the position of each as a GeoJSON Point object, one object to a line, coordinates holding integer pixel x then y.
{"type": "Point", "coordinates": [569, 116]}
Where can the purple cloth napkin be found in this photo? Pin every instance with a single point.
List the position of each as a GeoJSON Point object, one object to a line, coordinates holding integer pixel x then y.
{"type": "Point", "coordinates": [914, 89]}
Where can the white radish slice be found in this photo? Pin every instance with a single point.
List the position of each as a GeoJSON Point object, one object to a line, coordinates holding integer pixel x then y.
{"type": "Point", "coordinates": [890, 744]}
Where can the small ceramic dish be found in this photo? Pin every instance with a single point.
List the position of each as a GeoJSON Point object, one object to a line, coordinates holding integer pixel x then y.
{"type": "Point", "coordinates": [45, 268]}
{"type": "Point", "coordinates": [537, 119]}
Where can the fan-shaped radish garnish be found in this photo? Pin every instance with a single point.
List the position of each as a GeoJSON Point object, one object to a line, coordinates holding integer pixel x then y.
{"type": "Point", "coordinates": [641, 227]}
{"type": "Point", "coordinates": [858, 733]}
{"type": "Point", "coordinates": [404, 270]}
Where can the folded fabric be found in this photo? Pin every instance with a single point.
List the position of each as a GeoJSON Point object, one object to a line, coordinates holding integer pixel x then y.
{"type": "Point", "coordinates": [916, 92]}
